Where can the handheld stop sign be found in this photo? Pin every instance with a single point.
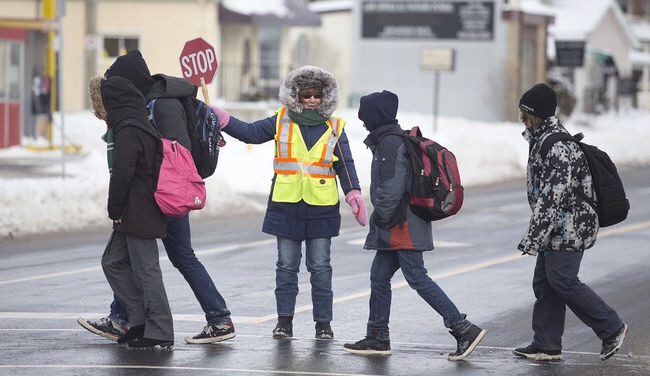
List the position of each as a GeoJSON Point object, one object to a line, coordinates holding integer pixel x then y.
{"type": "Point", "coordinates": [199, 64]}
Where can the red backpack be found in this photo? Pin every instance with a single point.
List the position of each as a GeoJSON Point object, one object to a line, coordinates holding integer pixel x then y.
{"type": "Point", "coordinates": [436, 191]}
{"type": "Point", "coordinates": [180, 188]}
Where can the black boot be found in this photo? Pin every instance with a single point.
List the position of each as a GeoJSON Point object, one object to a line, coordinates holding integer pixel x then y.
{"type": "Point", "coordinates": [324, 330]}
{"type": "Point", "coordinates": [284, 328]}
{"type": "Point", "coordinates": [151, 344]}
{"type": "Point", "coordinates": [134, 332]}
{"type": "Point", "coordinates": [468, 337]}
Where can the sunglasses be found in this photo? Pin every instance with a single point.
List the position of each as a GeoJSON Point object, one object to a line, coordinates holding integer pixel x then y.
{"type": "Point", "coordinates": [307, 96]}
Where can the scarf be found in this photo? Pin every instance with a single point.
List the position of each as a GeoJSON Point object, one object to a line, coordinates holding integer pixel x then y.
{"type": "Point", "coordinates": [109, 138]}
{"type": "Point", "coordinates": [307, 117]}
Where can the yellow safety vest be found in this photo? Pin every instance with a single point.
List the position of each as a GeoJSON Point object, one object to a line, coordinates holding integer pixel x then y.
{"type": "Point", "coordinates": [303, 174]}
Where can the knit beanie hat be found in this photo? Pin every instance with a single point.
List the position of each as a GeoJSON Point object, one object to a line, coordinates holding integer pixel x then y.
{"type": "Point", "coordinates": [132, 67]}
{"type": "Point", "coordinates": [540, 100]}
{"type": "Point", "coordinates": [377, 109]}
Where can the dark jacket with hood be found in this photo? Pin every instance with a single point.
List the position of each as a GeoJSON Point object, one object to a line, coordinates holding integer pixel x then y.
{"type": "Point", "coordinates": [560, 194]}
{"type": "Point", "coordinates": [136, 162]}
{"type": "Point", "coordinates": [300, 221]}
{"type": "Point", "coordinates": [169, 114]}
{"type": "Point", "coordinates": [393, 226]}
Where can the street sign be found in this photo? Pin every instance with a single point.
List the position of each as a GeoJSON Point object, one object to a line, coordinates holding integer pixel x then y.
{"type": "Point", "coordinates": [198, 61]}
{"type": "Point", "coordinates": [570, 53]}
{"type": "Point", "coordinates": [437, 59]}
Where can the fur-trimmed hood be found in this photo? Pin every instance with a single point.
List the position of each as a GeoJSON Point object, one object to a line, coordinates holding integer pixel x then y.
{"type": "Point", "coordinates": [310, 77]}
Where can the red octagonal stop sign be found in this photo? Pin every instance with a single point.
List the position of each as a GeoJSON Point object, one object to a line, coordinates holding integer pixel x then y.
{"type": "Point", "coordinates": [198, 60]}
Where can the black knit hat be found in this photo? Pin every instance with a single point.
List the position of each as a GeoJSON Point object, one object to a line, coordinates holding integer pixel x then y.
{"type": "Point", "coordinates": [540, 100]}
{"type": "Point", "coordinates": [132, 67]}
{"type": "Point", "coordinates": [378, 108]}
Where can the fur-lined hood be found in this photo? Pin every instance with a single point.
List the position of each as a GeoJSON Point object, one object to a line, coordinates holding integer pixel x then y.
{"type": "Point", "coordinates": [95, 93]}
{"type": "Point", "coordinates": [310, 77]}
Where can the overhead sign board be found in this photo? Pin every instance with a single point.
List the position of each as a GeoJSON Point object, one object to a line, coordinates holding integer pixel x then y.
{"type": "Point", "coordinates": [570, 53]}
{"type": "Point", "coordinates": [459, 20]}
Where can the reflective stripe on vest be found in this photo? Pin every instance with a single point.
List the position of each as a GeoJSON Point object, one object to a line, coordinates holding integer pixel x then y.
{"type": "Point", "coordinates": [303, 174]}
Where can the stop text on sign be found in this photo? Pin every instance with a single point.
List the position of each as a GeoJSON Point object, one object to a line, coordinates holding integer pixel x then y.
{"type": "Point", "coordinates": [198, 63]}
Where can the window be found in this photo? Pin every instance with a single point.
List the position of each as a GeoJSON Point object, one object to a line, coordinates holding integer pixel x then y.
{"type": "Point", "coordinates": [10, 70]}
{"type": "Point", "coordinates": [115, 46]}
{"type": "Point", "coordinates": [269, 52]}
{"type": "Point", "coordinates": [301, 53]}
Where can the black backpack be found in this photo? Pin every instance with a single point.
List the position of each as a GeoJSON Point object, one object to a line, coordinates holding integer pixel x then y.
{"type": "Point", "coordinates": [436, 191]}
{"type": "Point", "coordinates": [612, 205]}
{"type": "Point", "coordinates": [204, 131]}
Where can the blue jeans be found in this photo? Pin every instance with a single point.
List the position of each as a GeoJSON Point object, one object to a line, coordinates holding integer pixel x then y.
{"type": "Point", "coordinates": [384, 266]}
{"type": "Point", "coordinates": [556, 286]}
{"type": "Point", "coordinates": [178, 245]}
{"type": "Point", "coordinates": [317, 260]}
{"type": "Point", "coordinates": [118, 312]}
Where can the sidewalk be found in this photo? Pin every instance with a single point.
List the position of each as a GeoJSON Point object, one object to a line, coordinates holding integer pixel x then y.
{"type": "Point", "coordinates": [34, 162]}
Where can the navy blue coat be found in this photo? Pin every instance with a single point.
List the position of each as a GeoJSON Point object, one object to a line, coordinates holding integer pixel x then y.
{"type": "Point", "coordinates": [299, 221]}
{"type": "Point", "coordinates": [390, 177]}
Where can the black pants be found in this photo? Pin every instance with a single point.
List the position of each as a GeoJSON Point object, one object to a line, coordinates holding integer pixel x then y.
{"type": "Point", "coordinates": [556, 286]}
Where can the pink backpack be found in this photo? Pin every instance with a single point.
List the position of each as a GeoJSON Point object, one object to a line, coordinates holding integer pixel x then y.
{"type": "Point", "coordinates": [180, 188]}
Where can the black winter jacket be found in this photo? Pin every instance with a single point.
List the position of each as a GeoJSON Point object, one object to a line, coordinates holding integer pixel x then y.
{"type": "Point", "coordinates": [562, 219]}
{"type": "Point", "coordinates": [168, 111]}
{"type": "Point", "coordinates": [136, 162]}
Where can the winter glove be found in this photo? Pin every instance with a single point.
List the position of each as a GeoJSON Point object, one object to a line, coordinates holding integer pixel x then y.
{"type": "Point", "coordinates": [224, 116]}
{"type": "Point", "coordinates": [354, 199]}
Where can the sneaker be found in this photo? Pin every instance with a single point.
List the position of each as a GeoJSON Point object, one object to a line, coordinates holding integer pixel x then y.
{"type": "Point", "coordinates": [150, 344]}
{"type": "Point", "coordinates": [377, 343]}
{"type": "Point", "coordinates": [531, 352]}
{"type": "Point", "coordinates": [104, 327]}
{"type": "Point", "coordinates": [324, 330]}
{"type": "Point", "coordinates": [613, 343]}
{"type": "Point", "coordinates": [134, 333]}
{"type": "Point", "coordinates": [213, 334]}
{"type": "Point", "coordinates": [467, 342]}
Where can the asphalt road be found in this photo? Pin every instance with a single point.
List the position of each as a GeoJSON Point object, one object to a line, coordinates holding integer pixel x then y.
{"type": "Point", "coordinates": [47, 282]}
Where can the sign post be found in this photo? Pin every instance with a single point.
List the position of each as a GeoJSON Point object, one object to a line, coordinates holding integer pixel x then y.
{"type": "Point", "coordinates": [437, 60]}
{"type": "Point", "coordinates": [199, 64]}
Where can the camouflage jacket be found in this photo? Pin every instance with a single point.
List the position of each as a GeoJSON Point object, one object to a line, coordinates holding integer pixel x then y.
{"type": "Point", "coordinates": [559, 187]}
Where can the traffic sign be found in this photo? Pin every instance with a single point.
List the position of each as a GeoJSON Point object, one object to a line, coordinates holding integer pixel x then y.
{"type": "Point", "coordinates": [198, 61]}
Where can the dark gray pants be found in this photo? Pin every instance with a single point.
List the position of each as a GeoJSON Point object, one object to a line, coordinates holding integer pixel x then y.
{"type": "Point", "coordinates": [556, 286]}
{"type": "Point", "coordinates": [139, 283]}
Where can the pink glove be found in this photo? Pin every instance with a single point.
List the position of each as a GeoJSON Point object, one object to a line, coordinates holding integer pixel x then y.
{"type": "Point", "coordinates": [354, 199]}
{"type": "Point", "coordinates": [224, 116]}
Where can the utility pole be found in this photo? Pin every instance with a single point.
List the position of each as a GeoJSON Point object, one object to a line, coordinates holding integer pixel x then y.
{"type": "Point", "coordinates": [49, 13]}
{"type": "Point", "coordinates": [90, 44]}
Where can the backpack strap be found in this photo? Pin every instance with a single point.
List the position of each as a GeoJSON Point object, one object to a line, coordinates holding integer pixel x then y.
{"type": "Point", "coordinates": [555, 137]}
{"type": "Point", "coordinates": [150, 106]}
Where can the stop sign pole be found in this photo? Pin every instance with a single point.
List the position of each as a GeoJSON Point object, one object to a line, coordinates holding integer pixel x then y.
{"type": "Point", "coordinates": [199, 64]}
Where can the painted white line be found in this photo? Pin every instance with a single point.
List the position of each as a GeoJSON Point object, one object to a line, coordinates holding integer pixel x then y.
{"type": "Point", "coordinates": [623, 229]}
{"type": "Point", "coordinates": [437, 243]}
{"type": "Point", "coordinates": [75, 315]}
{"type": "Point", "coordinates": [172, 368]}
{"type": "Point", "coordinates": [209, 251]}
{"type": "Point", "coordinates": [51, 275]}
